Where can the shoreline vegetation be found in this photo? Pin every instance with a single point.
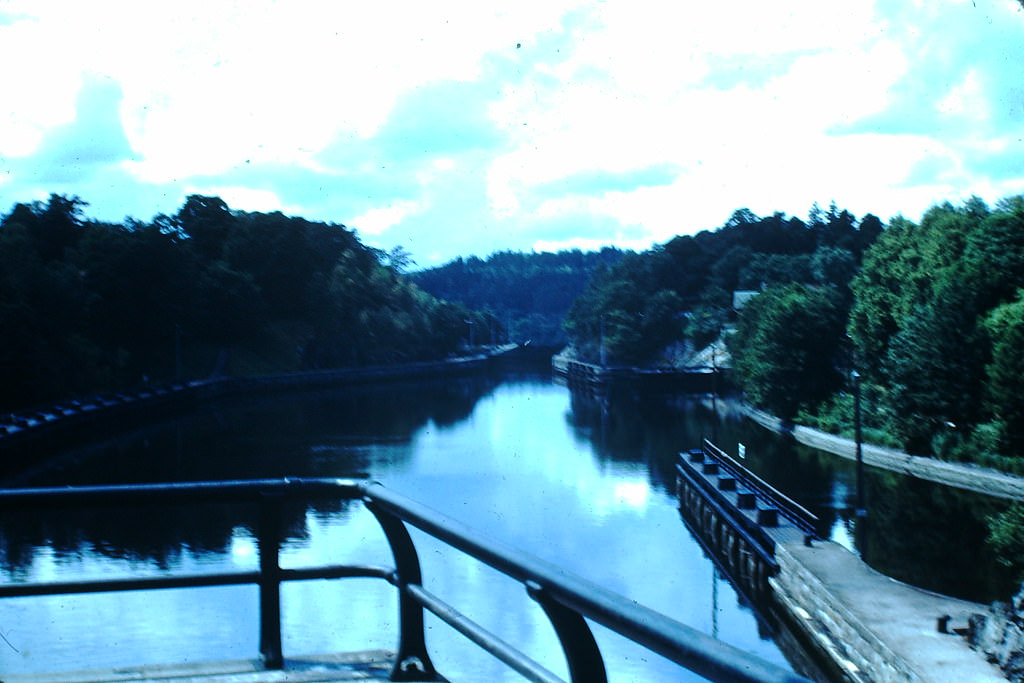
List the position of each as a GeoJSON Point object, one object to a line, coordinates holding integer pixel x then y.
{"type": "Point", "coordinates": [914, 327]}
{"type": "Point", "coordinates": [919, 324]}
{"type": "Point", "coordinates": [924, 320]}
{"type": "Point", "coordinates": [968, 476]}
{"type": "Point", "coordinates": [89, 307]}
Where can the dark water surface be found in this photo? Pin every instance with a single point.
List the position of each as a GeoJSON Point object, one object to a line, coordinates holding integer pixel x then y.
{"type": "Point", "coordinates": [584, 482]}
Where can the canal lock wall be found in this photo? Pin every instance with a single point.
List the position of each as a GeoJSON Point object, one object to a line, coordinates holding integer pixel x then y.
{"type": "Point", "coordinates": [31, 440]}
{"type": "Point", "coordinates": [855, 653]}
{"type": "Point", "coordinates": [857, 625]}
{"type": "Point", "coordinates": [728, 522]}
{"type": "Point", "coordinates": [692, 380]}
{"type": "Point", "coordinates": [765, 572]}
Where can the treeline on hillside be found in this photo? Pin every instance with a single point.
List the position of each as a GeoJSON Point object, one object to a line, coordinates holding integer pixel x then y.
{"type": "Point", "coordinates": [934, 328]}
{"type": "Point", "coordinates": [938, 329]}
{"type": "Point", "coordinates": [657, 305]}
{"type": "Point", "coordinates": [930, 315]}
{"type": "Point", "coordinates": [529, 292]}
{"type": "Point", "coordinates": [88, 306]}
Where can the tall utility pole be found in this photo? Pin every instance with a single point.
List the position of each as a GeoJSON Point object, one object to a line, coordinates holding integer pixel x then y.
{"type": "Point", "coordinates": [177, 353]}
{"type": "Point", "coordinates": [861, 510]}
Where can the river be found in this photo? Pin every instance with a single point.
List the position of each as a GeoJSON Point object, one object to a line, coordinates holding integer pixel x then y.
{"type": "Point", "coordinates": [582, 481]}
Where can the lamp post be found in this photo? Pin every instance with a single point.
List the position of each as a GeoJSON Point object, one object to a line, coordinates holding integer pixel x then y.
{"type": "Point", "coordinates": [861, 510]}
{"type": "Point", "coordinates": [714, 391]}
{"type": "Point", "coordinates": [177, 353]}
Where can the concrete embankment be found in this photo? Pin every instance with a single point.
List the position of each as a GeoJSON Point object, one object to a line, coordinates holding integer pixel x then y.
{"type": "Point", "coordinates": [874, 628]}
{"type": "Point", "coordinates": [959, 475]}
{"type": "Point", "coordinates": [693, 380]}
{"type": "Point", "coordinates": [863, 625]}
{"type": "Point", "coordinates": [27, 439]}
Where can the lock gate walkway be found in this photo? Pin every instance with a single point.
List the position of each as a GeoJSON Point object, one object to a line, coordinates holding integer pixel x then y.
{"type": "Point", "coordinates": [867, 627]}
{"type": "Point", "coordinates": [358, 666]}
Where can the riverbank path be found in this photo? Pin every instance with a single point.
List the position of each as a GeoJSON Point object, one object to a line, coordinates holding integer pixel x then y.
{"type": "Point", "coordinates": [358, 666]}
{"type": "Point", "coordinates": [860, 615]}
{"type": "Point", "coordinates": [959, 475]}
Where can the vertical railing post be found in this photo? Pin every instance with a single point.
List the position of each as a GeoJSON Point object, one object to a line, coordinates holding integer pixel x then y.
{"type": "Point", "coordinates": [269, 544]}
{"type": "Point", "coordinates": [586, 665]}
{"type": "Point", "coordinates": [412, 663]}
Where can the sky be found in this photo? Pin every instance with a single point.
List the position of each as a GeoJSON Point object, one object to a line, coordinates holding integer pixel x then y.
{"type": "Point", "coordinates": [460, 127]}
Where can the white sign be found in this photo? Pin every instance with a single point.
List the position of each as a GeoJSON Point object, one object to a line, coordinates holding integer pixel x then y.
{"type": "Point", "coordinates": [741, 451]}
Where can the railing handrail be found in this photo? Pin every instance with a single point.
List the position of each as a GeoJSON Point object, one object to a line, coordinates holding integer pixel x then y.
{"type": "Point", "coordinates": [801, 516]}
{"type": "Point", "coordinates": [566, 598]}
{"type": "Point", "coordinates": [682, 644]}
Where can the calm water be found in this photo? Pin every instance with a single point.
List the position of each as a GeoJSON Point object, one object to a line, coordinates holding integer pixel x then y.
{"type": "Point", "coordinates": [584, 482]}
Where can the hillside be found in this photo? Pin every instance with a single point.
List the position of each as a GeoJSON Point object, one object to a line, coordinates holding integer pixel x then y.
{"type": "Point", "coordinates": [529, 293]}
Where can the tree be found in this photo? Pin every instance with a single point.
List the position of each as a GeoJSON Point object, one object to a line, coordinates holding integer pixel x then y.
{"type": "Point", "coordinates": [53, 227]}
{"type": "Point", "coordinates": [994, 252]}
{"type": "Point", "coordinates": [879, 296]}
{"type": "Point", "coordinates": [900, 274]}
{"type": "Point", "coordinates": [833, 266]}
{"type": "Point", "coordinates": [936, 363]}
{"type": "Point", "coordinates": [1006, 535]}
{"type": "Point", "coordinates": [88, 306]}
{"type": "Point", "coordinates": [786, 347]}
{"type": "Point", "coordinates": [206, 221]}
{"type": "Point", "coordinates": [530, 293]}
{"type": "Point", "coordinates": [869, 230]}
{"type": "Point", "coordinates": [1004, 390]}
{"type": "Point", "coordinates": [400, 259]}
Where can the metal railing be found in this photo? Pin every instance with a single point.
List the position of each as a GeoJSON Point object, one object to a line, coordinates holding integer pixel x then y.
{"type": "Point", "coordinates": [567, 600]}
{"type": "Point", "coordinates": [800, 516]}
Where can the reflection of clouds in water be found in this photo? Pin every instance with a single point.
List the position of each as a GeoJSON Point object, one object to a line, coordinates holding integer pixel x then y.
{"type": "Point", "coordinates": [513, 470]}
{"type": "Point", "coordinates": [842, 534]}
{"type": "Point", "coordinates": [632, 493]}
{"type": "Point", "coordinates": [242, 546]}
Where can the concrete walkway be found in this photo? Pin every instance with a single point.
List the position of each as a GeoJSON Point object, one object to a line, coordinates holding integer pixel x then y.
{"type": "Point", "coordinates": [357, 666]}
{"type": "Point", "coordinates": [959, 475]}
{"type": "Point", "coordinates": [876, 628]}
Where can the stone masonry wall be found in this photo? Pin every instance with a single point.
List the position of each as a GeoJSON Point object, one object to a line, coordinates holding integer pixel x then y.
{"type": "Point", "coordinates": [859, 654]}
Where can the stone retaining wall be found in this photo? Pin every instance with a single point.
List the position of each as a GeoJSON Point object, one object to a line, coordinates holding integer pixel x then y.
{"type": "Point", "coordinates": [858, 654]}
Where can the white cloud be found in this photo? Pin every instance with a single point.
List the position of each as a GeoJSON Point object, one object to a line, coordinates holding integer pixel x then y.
{"type": "Point", "coordinates": [454, 128]}
{"type": "Point", "coordinates": [378, 221]}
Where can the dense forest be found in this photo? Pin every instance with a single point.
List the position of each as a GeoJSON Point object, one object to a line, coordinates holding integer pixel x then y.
{"type": "Point", "coordinates": [924, 319]}
{"type": "Point", "coordinates": [530, 292]}
{"type": "Point", "coordinates": [930, 316]}
{"type": "Point", "coordinates": [656, 306]}
{"type": "Point", "coordinates": [87, 306]}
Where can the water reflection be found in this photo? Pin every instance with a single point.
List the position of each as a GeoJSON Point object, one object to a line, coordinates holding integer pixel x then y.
{"type": "Point", "coordinates": [933, 536]}
{"type": "Point", "coordinates": [583, 480]}
{"type": "Point", "coordinates": [517, 460]}
{"type": "Point", "coordinates": [329, 434]}
{"type": "Point", "coordinates": [644, 429]}
{"type": "Point", "coordinates": [926, 534]}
